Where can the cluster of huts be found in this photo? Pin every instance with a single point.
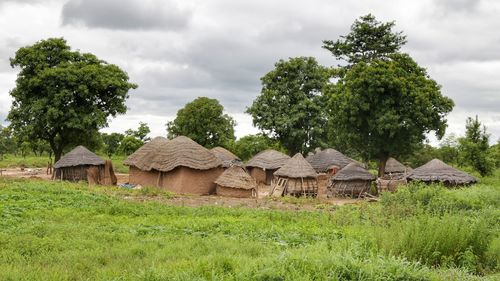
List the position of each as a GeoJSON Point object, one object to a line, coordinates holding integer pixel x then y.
{"type": "Point", "coordinates": [183, 166]}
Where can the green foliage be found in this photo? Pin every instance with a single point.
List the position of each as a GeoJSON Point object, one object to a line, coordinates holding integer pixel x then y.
{"type": "Point", "coordinates": [291, 104]}
{"type": "Point", "coordinates": [129, 145]}
{"type": "Point", "coordinates": [65, 231]}
{"type": "Point", "coordinates": [474, 147]}
{"type": "Point", "coordinates": [368, 40]}
{"type": "Point", "coordinates": [111, 143]}
{"type": "Point", "coordinates": [249, 145]}
{"type": "Point", "coordinates": [7, 142]}
{"type": "Point", "coordinates": [141, 133]}
{"type": "Point", "coordinates": [386, 107]}
{"type": "Point", "coordinates": [495, 153]}
{"type": "Point", "coordinates": [203, 120]}
{"type": "Point", "coordinates": [63, 95]}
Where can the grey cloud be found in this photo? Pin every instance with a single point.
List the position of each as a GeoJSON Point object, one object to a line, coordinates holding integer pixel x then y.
{"type": "Point", "coordinates": [448, 6]}
{"type": "Point", "coordinates": [126, 14]}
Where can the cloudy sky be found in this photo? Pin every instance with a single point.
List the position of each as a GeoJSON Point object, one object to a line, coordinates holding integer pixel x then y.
{"type": "Point", "coordinates": [179, 50]}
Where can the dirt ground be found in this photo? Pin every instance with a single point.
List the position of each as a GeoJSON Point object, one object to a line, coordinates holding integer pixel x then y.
{"type": "Point", "coordinates": [262, 202]}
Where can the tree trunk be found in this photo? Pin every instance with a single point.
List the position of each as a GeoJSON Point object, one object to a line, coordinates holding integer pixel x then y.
{"type": "Point", "coordinates": [381, 164]}
{"type": "Point", "coordinates": [57, 155]}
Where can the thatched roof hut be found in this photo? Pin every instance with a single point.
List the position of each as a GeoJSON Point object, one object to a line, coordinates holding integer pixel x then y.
{"type": "Point", "coordinates": [296, 177]}
{"type": "Point", "coordinates": [225, 156]}
{"type": "Point", "coordinates": [236, 182]}
{"type": "Point", "coordinates": [140, 158]}
{"type": "Point", "coordinates": [324, 160]}
{"type": "Point", "coordinates": [262, 166]}
{"type": "Point", "coordinates": [179, 165]}
{"type": "Point", "coordinates": [395, 170]}
{"type": "Point", "coordinates": [437, 171]}
{"type": "Point", "coordinates": [353, 180]}
{"type": "Point", "coordinates": [80, 164]}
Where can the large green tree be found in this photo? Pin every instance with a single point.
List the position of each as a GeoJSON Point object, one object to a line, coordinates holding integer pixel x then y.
{"type": "Point", "coordinates": [112, 143]}
{"type": "Point", "coordinates": [62, 96]}
{"type": "Point", "coordinates": [474, 147]}
{"type": "Point", "coordinates": [204, 121]}
{"type": "Point", "coordinates": [383, 103]}
{"type": "Point", "coordinates": [290, 107]}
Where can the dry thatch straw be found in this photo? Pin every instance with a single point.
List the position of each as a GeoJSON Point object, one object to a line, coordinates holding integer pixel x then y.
{"type": "Point", "coordinates": [353, 171]}
{"type": "Point", "coordinates": [236, 177]}
{"type": "Point", "coordinates": [437, 171]}
{"type": "Point", "coordinates": [225, 156]}
{"type": "Point", "coordinates": [140, 159]}
{"type": "Point", "coordinates": [77, 157]}
{"type": "Point", "coordinates": [268, 160]}
{"type": "Point", "coordinates": [394, 166]}
{"type": "Point", "coordinates": [322, 160]}
{"type": "Point", "coordinates": [296, 167]}
{"type": "Point", "coordinates": [182, 151]}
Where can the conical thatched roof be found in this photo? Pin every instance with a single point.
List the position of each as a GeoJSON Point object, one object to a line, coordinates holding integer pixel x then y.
{"type": "Point", "coordinates": [296, 167]}
{"type": "Point", "coordinates": [394, 166]}
{"type": "Point", "coordinates": [182, 151]}
{"type": "Point", "coordinates": [437, 170]}
{"type": "Point", "coordinates": [353, 171]}
{"type": "Point", "coordinates": [140, 159]}
{"type": "Point", "coordinates": [322, 160]}
{"type": "Point", "coordinates": [236, 177]}
{"type": "Point", "coordinates": [269, 159]}
{"type": "Point", "coordinates": [79, 156]}
{"type": "Point", "coordinates": [225, 156]}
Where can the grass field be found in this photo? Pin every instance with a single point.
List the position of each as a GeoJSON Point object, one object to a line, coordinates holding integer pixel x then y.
{"type": "Point", "coordinates": [64, 231]}
{"type": "Point", "coordinates": [11, 161]}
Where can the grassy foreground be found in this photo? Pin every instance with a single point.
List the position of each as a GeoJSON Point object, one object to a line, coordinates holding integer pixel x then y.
{"type": "Point", "coordinates": [63, 231]}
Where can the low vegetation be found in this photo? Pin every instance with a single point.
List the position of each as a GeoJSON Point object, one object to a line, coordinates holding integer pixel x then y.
{"type": "Point", "coordinates": [65, 231]}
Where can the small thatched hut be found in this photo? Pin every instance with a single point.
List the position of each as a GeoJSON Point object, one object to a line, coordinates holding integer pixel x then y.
{"type": "Point", "coordinates": [236, 182]}
{"type": "Point", "coordinates": [395, 170]}
{"type": "Point", "coordinates": [353, 180]}
{"type": "Point", "coordinates": [437, 171]}
{"type": "Point", "coordinates": [262, 166]}
{"type": "Point", "coordinates": [296, 177]}
{"type": "Point", "coordinates": [328, 160]}
{"type": "Point", "coordinates": [227, 158]}
{"type": "Point", "coordinates": [179, 165]}
{"type": "Point", "coordinates": [80, 164]}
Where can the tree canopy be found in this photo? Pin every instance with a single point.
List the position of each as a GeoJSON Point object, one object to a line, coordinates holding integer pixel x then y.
{"type": "Point", "coordinates": [290, 106]}
{"type": "Point", "coordinates": [204, 121]}
{"type": "Point", "coordinates": [368, 40]}
{"type": "Point", "coordinates": [63, 95]}
{"type": "Point", "coordinates": [249, 145]}
{"type": "Point", "coordinates": [385, 107]}
{"type": "Point", "coordinates": [474, 147]}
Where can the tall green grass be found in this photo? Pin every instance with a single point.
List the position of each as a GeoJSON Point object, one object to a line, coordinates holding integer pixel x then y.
{"type": "Point", "coordinates": [64, 231]}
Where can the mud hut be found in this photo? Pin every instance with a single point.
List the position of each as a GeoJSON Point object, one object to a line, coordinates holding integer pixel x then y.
{"type": "Point", "coordinates": [179, 165]}
{"type": "Point", "coordinates": [227, 158]}
{"type": "Point", "coordinates": [328, 161]}
{"type": "Point", "coordinates": [262, 166]}
{"type": "Point", "coordinates": [437, 171]}
{"type": "Point", "coordinates": [236, 182]}
{"type": "Point", "coordinates": [297, 177]}
{"type": "Point", "coordinates": [80, 164]}
{"type": "Point", "coordinates": [353, 180]}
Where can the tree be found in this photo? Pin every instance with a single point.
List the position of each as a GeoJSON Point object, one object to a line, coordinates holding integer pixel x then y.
{"type": "Point", "coordinates": [204, 121]}
{"type": "Point", "coordinates": [368, 40]}
{"type": "Point", "coordinates": [7, 142]}
{"type": "Point", "coordinates": [141, 133]}
{"type": "Point", "coordinates": [290, 106]}
{"type": "Point", "coordinates": [495, 153]}
{"type": "Point", "coordinates": [474, 147]}
{"type": "Point", "coordinates": [249, 145]}
{"type": "Point", "coordinates": [112, 143]}
{"type": "Point", "coordinates": [63, 95]}
{"type": "Point", "coordinates": [385, 107]}
{"type": "Point", "coordinates": [129, 145]}
{"type": "Point", "coordinates": [448, 149]}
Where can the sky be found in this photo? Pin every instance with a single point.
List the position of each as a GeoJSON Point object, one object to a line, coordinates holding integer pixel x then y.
{"type": "Point", "coordinates": [178, 50]}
